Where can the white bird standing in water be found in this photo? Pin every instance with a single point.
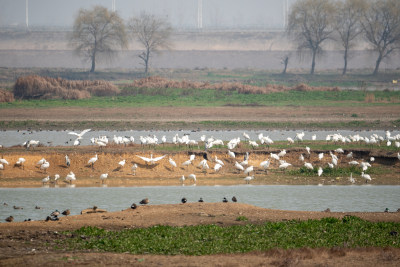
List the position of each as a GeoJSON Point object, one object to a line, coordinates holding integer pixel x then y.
{"type": "Point", "coordinates": [46, 180]}
{"type": "Point", "coordinates": [103, 177]}
{"type": "Point", "coordinates": [70, 177]}
{"type": "Point", "coordinates": [248, 179]}
{"type": "Point", "coordinates": [193, 178]}
{"type": "Point", "coordinates": [182, 180]}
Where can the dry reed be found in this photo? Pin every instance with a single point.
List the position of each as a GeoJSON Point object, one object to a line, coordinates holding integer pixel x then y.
{"type": "Point", "coordinates": [37, 87]}
{"type": "Point", "coordinates": [6, 96]}
{"type": "Point", "coordinates": [162, 83]}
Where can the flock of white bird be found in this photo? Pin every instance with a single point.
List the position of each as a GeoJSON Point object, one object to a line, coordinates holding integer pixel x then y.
{"type": "Point", "coordinates": [219, 165]}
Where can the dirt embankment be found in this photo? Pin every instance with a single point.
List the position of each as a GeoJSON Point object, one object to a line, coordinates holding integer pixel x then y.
{"type": "Point", "coordinates": [32, 242]}
{"type": "Point", "coordinates": [163, 173]}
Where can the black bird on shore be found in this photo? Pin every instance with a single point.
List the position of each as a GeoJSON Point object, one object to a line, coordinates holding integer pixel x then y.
{"type": "Point", "coordinates": [10, 219]}
{"type": "Point", "coordinates": [224, 200]}
{"type": "Point", "coordinates": [201, 200]}
{"type": "Point", "coordinates": [133, 206]}
{"type": "Point", "coordinates": [66, 212]}
{"type": "Point", "coordinates": [184, 200]}
{"type": "Point", "coordinates": [234, 199]}
{"type": "Point", "coordinates": [144, 201]}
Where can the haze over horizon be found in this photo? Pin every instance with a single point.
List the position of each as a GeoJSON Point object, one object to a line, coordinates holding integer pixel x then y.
{"type": "Point", "coordinates": [182, 14]}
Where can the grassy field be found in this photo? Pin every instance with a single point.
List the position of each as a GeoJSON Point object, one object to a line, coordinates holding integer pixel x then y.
{"type": "Point", "coordinates": [213, 98]}
{"type": "Point", "coordinates": [350, 232]}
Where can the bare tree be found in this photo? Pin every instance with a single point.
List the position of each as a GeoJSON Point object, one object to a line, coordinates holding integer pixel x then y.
{"type": "Point", "coordinates": [97, 33]}
{"type": "Point", "coordinates": [285, 62]}
{"type": "Point", "coordinates": [310, 24]}
{"type": "Point", "coordinates": [153, 33]}
{"type": "Point", "coordinates": [348, 26]}
{"type": "Point", "coordinates": [381, 24]}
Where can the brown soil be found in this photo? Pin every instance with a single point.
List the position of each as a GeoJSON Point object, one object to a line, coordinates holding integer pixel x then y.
{"type": "Point", "coordinates": [25, 242]}
{"type": "Point", "coordinates": [158, 117]}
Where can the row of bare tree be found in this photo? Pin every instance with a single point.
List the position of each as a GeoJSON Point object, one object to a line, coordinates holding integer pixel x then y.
{"type": "Point", "coordinates": [98, 33]}
{"type": "Point", "coordinates": [312, 22]}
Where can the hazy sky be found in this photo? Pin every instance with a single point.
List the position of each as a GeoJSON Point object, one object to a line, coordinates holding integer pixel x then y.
{"type": "Point", "coordinates": [181, 13]}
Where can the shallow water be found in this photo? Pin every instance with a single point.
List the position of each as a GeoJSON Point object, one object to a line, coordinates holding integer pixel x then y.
{"type": "Point", "coordinates": [62, 138]}
{"type": "Point", "coordinates": [284, 197]}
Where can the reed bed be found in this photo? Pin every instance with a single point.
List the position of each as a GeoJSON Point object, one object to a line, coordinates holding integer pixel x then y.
{"type": "Point", "coordinates": [6, 96]}
{"type": "Point", "coordinates": [162, 83]}
{"type": "Point", "coordinates": [38, 87]}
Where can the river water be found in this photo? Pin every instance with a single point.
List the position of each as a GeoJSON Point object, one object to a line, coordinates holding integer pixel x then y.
{"type": "Point", "coordinates": [62, 138]}
{"type": "Point", "coordinates": [284, 197]}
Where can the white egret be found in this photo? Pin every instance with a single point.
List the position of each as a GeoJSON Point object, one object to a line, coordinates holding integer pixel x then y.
{"type": "Point", "coordinates": [40, 162]}
{"type": "Point", "coordinates": [331, 165]}
{"type": "Point", "coordinates": [367, 177]}
{"type": "Point", "coordinates": [372, 159]}
{"type": "Point", "coordinates": [246, 136]}
{"type": "Point", "coordinates": [134, 168]}
{"type": "Point", "coordinates": [219, 161]}
{"type": "Point", "coordinates": [308, 166]}
{"type": "Point", "coordinates": [172, 162]}
{"type": "Point", "coordinates": [187, 163]}
{"type": "Point", "coordinates": [351, 179]}
{"type": "Point", "coordinates": [217, 167]}
{"type": "Point", "coordinates": [314, 137]}
{"type": "Point", "coordinates": [248, 179]}
{"type": "Point", "coordinates": [249, 170]}
{"type": "Point", "coordinates": [320, 171]}
{"type": "Point", "coordinates": [151, 160]}
{"type": "Point", "coordinates": [308, 149]}
{"type": "Point", "coordinates": [20, 162]}
{"type": "Point", "coordinates": [239, 166]}
{"type": "Point", "coordinates": [56, 177]}
{"type": "Point", "coordinates": [70, 177]}
{"type": "Point", "coordinates": [301, 157]}
{"type": "Point", "coordinates": [46, 180]}
{"type": "Point", "coordinates": [274, 156]}
{"type": "Point", "coordinates": [122, 163]}
{"type": "Point", "coordinates": [182, 180]}
{"type": "Point", "coordinates": [192, 157]}
{"type": "Point", "coordinates": [67, 161]}
{"type": "Point", "coordinates": [339, 150]}
{"type": "Point", "coordinates": [282, 153]}
{"type": "Point", "coordinates": [320, 156]}
{"type": "Point", "coordinates": [192, 177]}
{"type": "Point", "coordinates": [265, 165]}
{"type": "Point", "coordinates": [103, 176]}
{"type": "Point", "coordinates": [284, 165]}
{"type": "Point", "coordinates": [231, 154]}
{"type": "Point", "coordinates": [350, 155]}
{"type": "Point", "coordinates": [81, 134]}
{"type": "Point", "coordinates": [290, 140]}
{"type": "Point", "coordinates": [93, 160]}
{"type": "Point", "coordinates": [45, 166]}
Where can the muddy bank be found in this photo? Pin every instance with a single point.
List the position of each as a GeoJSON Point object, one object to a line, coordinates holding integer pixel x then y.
{"type": "Point", "coordinates": [33, 242]}
{"type": "Point", "coordinates": [163, 173]}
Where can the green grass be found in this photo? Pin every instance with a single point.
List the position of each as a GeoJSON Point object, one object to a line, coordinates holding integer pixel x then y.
{"type": "Point", "coordinates": [211, 239]}
{"type": "Point", "coordinates": [213, 98]}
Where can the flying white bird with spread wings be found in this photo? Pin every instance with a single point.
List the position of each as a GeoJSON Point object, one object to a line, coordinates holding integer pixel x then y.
{"type": "Point", "coordinates": [151, 160]}
{"type": "Point", "coordinates": [81, 134]}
